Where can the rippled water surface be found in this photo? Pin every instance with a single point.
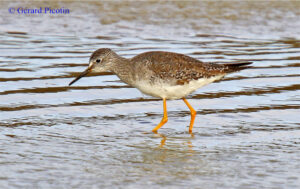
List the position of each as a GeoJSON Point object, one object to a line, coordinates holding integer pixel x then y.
{"type": "Point", "coordinates": [97, 133]}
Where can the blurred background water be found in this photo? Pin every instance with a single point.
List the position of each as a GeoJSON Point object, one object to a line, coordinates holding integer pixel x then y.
{"type": "Point", "coordinates": [97, 133]}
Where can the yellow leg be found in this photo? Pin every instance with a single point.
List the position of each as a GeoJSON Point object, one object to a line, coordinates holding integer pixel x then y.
{"type": "Point", "coordinates": [193, 114]}
{"type": "Point", "coordinates": [164, 119]}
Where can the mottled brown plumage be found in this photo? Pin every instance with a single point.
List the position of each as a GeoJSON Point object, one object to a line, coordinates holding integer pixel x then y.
{"type": "Point", "coordinates": [180, 68]}
{"type": "Point", "coordinates": [161, 74]}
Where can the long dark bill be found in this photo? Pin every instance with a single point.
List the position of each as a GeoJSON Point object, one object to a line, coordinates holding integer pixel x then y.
{"type": "Point", "coordinates": [84, 73]}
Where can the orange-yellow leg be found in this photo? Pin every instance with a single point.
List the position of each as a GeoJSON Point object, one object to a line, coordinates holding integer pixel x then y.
{"type": "Point", "coordinates": [193, 114]}
{"type": "Point", "coordinates": [164, 119]}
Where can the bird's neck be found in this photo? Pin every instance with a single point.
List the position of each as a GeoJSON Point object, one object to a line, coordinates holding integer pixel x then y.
{"type": "Point", "coordinates": [123, 69]}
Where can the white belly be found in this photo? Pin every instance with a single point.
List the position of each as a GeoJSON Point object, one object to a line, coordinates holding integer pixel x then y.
{"type": "Point", "coordinates": [164, 90]}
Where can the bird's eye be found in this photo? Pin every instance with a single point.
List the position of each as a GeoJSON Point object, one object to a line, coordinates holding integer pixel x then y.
{"type": "Point", "coordinates": [98, 60]}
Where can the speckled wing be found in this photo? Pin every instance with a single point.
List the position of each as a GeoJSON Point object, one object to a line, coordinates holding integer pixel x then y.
{"type": "Point", "coordinates": [178, 69]}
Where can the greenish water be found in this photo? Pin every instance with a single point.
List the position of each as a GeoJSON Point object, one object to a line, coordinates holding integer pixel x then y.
{"type": "Point", "coordinates": [97, 133]}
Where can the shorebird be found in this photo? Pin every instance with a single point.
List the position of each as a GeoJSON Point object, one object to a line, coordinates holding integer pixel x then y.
{"type": "Point", "coordinates": [165, 75]}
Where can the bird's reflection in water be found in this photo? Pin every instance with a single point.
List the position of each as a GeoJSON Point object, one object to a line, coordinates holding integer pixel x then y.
{"type": "Point", "coordinates": [171, 149]}
{"type": "Point", "coordinates": [164, 139]}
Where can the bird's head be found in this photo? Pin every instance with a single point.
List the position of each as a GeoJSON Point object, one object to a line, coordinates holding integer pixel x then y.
{"type": "Point", "coordinates": [100, 61]}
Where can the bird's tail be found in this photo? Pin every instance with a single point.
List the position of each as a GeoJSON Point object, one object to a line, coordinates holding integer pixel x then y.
{"type": "Point", "coordinates": [234, 67]}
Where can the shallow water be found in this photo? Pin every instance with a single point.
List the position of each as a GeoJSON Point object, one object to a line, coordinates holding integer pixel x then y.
{"type": "Point", "coordinates": [97, 133]}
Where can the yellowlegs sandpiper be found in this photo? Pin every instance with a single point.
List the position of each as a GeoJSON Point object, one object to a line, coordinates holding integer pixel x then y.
{"type": "Point", "coordinates": [161, 74]}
